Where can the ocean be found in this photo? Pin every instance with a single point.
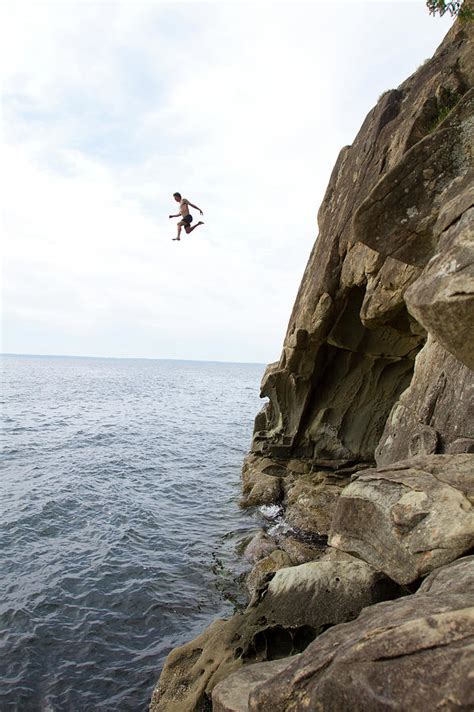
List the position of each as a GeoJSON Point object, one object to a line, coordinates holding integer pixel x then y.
{"type": "Point", "coordinates": [120, 525]}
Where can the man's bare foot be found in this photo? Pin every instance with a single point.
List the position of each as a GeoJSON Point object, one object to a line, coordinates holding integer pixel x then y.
{"type": "Point", "coordinates": [176, 238]}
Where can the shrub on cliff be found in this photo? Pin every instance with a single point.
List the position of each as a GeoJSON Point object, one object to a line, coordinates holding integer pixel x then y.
{"type": "Point", "coordinates": [459, 8]}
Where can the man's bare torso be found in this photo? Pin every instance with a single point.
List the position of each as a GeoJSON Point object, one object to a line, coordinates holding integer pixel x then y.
{"type": "Point", "coordinates": [183, 207]}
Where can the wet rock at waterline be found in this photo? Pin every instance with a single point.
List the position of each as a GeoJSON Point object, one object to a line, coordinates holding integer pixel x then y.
{"type": "Point", "coordinates": [294, 606]}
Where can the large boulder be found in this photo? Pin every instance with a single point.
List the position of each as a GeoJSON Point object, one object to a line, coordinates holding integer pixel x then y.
{"type": "Point", "coordinates": [411, 654]}
{"type": "Point", "coordinates": [311, 501]}
{"type": "Point", "coordinates": [423, 420]}
{"type": "Point", "coordinates": [443, 300]}
{"type": "Point", "coordinates": [261, 481]}
{"type": "Point", "coordinates": [457, 577]}
{"type": "Point", "coordinates": [399, 216]}
{"type": "Point", "coordinates": [362, 653]}
{"type": "Point", "coordinates": [295, 606]}
{"type": "Point", "coordinates": [409, 518]}
{"type": "Point", "coordinates": [232, 694]}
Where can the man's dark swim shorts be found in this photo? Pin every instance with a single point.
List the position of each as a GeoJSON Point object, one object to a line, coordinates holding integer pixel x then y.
{"type": "Point", "coordinates": [188, 219]}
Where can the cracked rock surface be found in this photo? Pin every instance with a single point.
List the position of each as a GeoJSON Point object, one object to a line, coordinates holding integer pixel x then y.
{"type": "Point", "coordinates": [411, 654]}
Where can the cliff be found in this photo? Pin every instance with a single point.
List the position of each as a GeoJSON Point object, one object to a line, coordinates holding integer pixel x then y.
{"type": "Point", "coordinates": [364, 599]}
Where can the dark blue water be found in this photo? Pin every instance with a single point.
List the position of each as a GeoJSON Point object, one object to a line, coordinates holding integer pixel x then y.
{"type": "Point", "coordinates": [120, 481]}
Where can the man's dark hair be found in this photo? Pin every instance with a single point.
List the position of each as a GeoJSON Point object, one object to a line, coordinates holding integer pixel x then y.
{"type": "Point", "coordinates": [177, 195]}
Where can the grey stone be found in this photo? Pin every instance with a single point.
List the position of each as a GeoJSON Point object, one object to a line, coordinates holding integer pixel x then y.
{"type": "Point", "coordinates": [260, 546]}
{"type": "Point", "coordinates": [311, 500]}
{"type": "Point", "coordinates": [442, 300]}
{"type": "Point", "coordinates": [409, 518]}
{"type": "Point", "coordinates": [416, 653]}
{"type": "Point", "coordinates": [261, 482]}
{"type": "Point", "coordinates": [232, 694]}
{"type": "Point", "coordinates": [297, 604]}
{"type": "Point", "coordinates": [423, 417]}
{"type": "Point", "coordinates": [457, 577]}
{"type": "Point", "coordinates": [399, 215]}
{"type": "Point", "coordinates": [259, 575]}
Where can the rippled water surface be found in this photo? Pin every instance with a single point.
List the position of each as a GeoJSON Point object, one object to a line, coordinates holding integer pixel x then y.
{"type": "Point", "coordinates": [119, 523]}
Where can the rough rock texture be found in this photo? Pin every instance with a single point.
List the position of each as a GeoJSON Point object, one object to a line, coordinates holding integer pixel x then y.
{"type": "Point", "coordinates": [457, 577]}
{"type": "Point", "coordinates": [295, 605]}
{"type": "Point", "coordinates": [423, 421]}
{"type": "Point", "coordinates": [311, 500]}
{"type": "Point", "coordinates": [372, 647]}
{"type": "Point", "coordinates": [443, 301]}
{"type": "Point", "coordinates": [269, 565]}
{"type": "Point", "coordinates": [408, 519]}
{"type": "Point", "coordinates": [393, 260]}
{"type": "Point", "coordinates": [261, 481]}
{"type": "Point", "coordinates": [411, 654]}
{"type": "Point", "coordinates": [400, 217]}
{"type": "Point", "coordinates": [368, 434]}
{"type": "Point", "coordinates": [232, 694]}
{"type": "Point", "coordinates": [259, 547]}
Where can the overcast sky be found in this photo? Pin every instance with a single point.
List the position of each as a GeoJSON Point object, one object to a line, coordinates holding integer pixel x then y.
{"type": "Point", "coordinates": [108, 108]}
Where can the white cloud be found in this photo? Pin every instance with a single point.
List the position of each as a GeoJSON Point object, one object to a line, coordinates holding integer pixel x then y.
{"type": "Point", "coordinates": [109, 108]}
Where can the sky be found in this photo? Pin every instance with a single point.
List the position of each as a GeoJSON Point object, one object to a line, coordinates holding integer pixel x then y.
{"type": "Point", "coordinates": [108, 108]}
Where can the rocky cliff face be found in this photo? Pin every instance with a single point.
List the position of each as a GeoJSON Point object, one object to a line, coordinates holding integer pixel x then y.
{"type": "Point", "coordinates": [367, 439]}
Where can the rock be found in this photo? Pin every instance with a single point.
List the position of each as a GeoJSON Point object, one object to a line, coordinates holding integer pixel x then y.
{"type": "Point", "coordinates": [457, 577]}
{"type": "Point", "coordinates": [261, 482]}
{"type": "Point", "coordinates": [351, 342]}
{"type": "Point", "coordinates": [293, 683]}
{"type": "Point", "coordinates": [258, 577]}
{"type": "Point", "coordinates": [460, 445]}
{"type": "Point", "coordinates": [298, 604]}
{"type": "Point", "coordinates": [260, 546]}
{"type": "Point", "coordinates": [411, 654]}
{"type": "Point", "coordinates": [300, 467]}
{"type": "Point", "coordinates": [443, 299]}
{"type": "Point", "coordinates": [192, 670]}
{"type": "Point", "coordinates": [232, 694]}
{"type": "Point", "coordinates": [299, 551]}
{"type": "Point", "coordinates": [409, 518]}
{"type": "Point", "coordinates": [311, 502]}
{"type": "Point", "coordinates": [318, 593]}
{"type": "Point", "coordinates": [384, 299]}
{"type": "Point", "coordinates": [423, 420]}
{"type": "Point", "coordinates": [399, 215]}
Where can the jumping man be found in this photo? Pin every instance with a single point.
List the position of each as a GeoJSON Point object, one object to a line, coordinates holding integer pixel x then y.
{"type": "Point", "coordinates": [185, 215]}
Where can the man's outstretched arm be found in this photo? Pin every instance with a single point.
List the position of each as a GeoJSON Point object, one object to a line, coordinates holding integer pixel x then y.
{"type": "Point", "coordinates": [195, 207]}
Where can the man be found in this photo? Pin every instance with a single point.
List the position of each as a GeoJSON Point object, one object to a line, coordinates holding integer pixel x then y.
{"type": "Point", "coordinates": [185, 215]}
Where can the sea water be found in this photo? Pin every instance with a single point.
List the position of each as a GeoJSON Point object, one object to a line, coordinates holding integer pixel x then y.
{"type": "Point", "coordinates": [119, 521]}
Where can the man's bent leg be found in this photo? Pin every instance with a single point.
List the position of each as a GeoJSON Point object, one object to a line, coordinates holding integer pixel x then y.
{"type": "Point", "coordinates": [194, 227]}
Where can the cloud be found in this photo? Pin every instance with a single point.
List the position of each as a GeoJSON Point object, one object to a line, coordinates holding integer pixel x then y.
{"type": "Point", "coordinates": [109, 108]}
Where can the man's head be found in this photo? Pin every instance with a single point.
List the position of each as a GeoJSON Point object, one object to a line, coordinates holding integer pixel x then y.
{"type": "Point", "coordinates": [177, 196]}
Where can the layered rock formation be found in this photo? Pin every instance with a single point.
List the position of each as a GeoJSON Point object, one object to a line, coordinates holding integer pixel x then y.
{"type": "Point", "coordinates": [366, 442]}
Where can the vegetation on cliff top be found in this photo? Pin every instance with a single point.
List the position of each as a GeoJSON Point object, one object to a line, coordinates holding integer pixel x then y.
{"type": "Point", "coordinates": [458, 8]}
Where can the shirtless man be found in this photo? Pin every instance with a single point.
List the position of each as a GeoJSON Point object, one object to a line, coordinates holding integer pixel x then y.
{"type": "Point", "coordinates": [185, 215]}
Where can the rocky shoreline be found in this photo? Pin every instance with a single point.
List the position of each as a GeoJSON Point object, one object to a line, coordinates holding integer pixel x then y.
{"type": "Point", "coordinates": [365, 601]}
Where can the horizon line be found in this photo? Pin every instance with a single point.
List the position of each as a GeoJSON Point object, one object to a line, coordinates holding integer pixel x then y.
{"type": "Point", "coordinates": [131, 358]}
